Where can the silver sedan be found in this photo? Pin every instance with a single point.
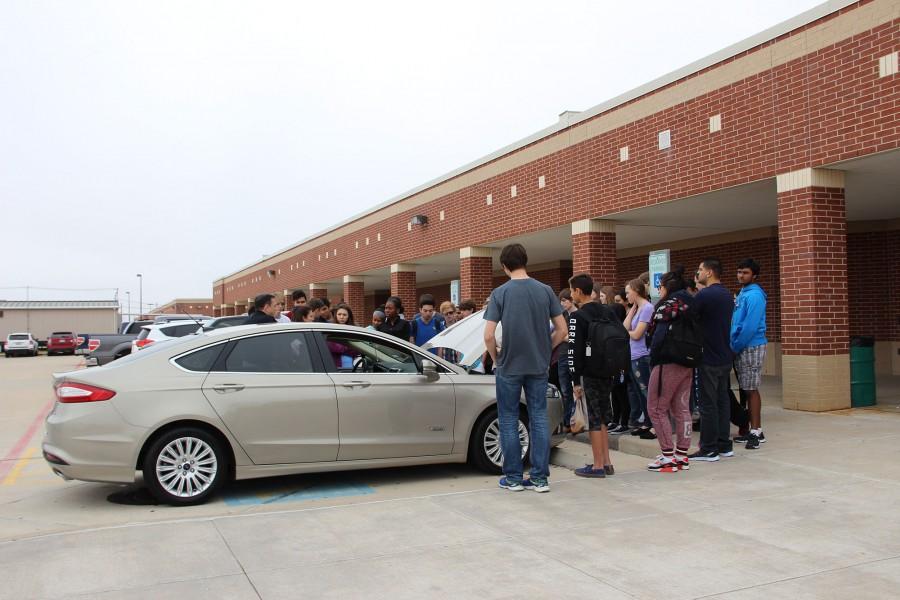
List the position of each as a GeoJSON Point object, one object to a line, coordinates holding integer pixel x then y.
{"type": "Point", "coordinates": [266, 400]}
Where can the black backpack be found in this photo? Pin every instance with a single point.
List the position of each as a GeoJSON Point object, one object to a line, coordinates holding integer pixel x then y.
{"type": "Point", "coordinates": [683, 344]}
{"type": "Point", "coordinates": [607, 351]}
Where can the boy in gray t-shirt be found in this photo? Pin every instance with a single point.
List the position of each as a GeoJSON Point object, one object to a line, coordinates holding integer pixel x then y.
{"type": "Point", "coordinates": [525, 307]}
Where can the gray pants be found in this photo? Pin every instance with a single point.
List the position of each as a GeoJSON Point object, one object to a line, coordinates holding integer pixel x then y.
{"type": "Point", "coordinates": [715, 408]}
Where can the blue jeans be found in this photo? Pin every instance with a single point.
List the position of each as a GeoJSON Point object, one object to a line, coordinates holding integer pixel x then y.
{"type": "Point", "coordinates": [566, 391]}
{"type": "Point", "coordinates": [638, 380]}
{"type": "Point", "coordinates": [509, 391]}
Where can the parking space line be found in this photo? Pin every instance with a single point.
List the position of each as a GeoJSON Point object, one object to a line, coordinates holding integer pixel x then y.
{"type": "Point", "coordinates": [9, 461]}
{"type": "Point", "coordinates": [18, 466]}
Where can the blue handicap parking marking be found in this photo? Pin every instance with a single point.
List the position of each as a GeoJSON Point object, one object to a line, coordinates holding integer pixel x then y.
{"type": "Point", "coordinates": [320, 491]}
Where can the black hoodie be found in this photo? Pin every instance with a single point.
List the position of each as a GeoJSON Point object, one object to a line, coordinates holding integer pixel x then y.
{"type": "Point", "coordinates": [579, 324]}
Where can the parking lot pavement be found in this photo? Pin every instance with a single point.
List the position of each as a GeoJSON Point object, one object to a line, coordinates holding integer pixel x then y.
{"type": "Point", "coordinates": [812, 517]}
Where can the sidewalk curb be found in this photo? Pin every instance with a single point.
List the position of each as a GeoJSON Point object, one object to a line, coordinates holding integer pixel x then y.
{"type": "Point", "coordinates": [626, 444]}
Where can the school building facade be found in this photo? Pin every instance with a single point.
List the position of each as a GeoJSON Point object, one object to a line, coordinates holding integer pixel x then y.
{"type": "Point", "coordinates": [784, 147]}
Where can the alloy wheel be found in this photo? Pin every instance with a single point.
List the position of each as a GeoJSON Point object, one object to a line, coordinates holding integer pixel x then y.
{"type": "Point", "coordinates": [492, 442]}
{"type": "Point", "coordinates": [186, 467]}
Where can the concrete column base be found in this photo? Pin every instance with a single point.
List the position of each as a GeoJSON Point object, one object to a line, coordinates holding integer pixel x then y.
{"type": "Point", "coordinates": [816, 383]}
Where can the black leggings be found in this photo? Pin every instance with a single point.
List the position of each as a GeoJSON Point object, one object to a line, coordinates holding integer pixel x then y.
{"type": "Point", "coordinates": [621, 407]}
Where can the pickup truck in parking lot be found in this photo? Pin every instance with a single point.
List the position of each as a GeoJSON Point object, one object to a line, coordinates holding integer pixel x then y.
{"type": "Point", "coordinates": [107, 348]}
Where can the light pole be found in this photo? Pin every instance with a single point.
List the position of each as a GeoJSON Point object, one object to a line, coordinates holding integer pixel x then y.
{"type": "Point", "coordinates": [128, 295]}
{"type": "Point", "coordinates": [140, 295]}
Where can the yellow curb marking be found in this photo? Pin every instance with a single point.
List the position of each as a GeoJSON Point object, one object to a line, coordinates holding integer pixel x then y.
{"type": "Point", "coordinates": [17, 468]}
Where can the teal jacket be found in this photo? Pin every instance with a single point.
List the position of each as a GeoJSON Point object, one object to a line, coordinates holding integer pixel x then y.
{"type": "Point", "coordinates": [748, 322]}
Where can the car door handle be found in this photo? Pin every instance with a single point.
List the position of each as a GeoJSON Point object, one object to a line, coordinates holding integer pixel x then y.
{"type": "Point", "coordinates": [356, 384]}
{"type": "Point", "coordinates": [226, 388]}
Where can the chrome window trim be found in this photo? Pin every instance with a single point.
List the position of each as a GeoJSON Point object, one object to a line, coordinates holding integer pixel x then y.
{"type": "Point", "coordinates": [173, 359]}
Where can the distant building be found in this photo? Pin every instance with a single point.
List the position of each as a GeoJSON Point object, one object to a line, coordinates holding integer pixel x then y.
{"type": "Point", "coordinates": [42, 317]}
{"type": "Point", "coordinates": [194, 306]}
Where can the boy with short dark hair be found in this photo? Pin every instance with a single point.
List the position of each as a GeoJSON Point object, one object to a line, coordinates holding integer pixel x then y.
{"type": "Point", "coordinates": [426, 325]}
{"type": "Point", "coordinates": [466, 308]}
{"type": "Point", "coordinates": [596, 387]}
{"type": "Point", "coordinates": [524, 306]}
{"type": "Point", "coordinates": [748, 342]}
{"type": "Point", "coordinates": [714, 306]}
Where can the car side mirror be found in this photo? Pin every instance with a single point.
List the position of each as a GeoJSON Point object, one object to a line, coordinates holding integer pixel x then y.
{"type": "Point", "coordinates": [429, 369]}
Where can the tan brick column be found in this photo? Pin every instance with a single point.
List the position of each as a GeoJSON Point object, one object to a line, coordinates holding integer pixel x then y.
{"type": "Point", "coordinates": [476, 274]}
{"type": "Point", "coordinates": [594, 250]}
{"type": "Point", "coordinates": [355, 296]}
{"type": "Point", "coordinates": [318, 290]}
{"type": "Point", "coordinates": [815, 330]}
{"type": "Point", "coordinates": [403, 285]}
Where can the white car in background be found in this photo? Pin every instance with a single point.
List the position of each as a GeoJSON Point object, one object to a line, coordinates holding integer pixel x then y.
{"type": "Point", "coordinates": [152, 334]}
{"type": "Point", "coordinates": [20, 343]}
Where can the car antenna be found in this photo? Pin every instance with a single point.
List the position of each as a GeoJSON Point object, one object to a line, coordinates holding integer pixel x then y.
{"type": "Point", "coordinates": [194, 319]}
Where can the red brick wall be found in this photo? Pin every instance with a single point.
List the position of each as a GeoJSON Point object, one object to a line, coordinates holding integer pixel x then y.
{"type": "Point", "coordinates": [763, 250]}
{"type": "Point", "coordinates": [440, 292]}
{"type": "Point", "coordinates": [873, 276]}
{"type": "Point", "coordinates": [595, 254]}
{"type": "Point", "coordinates": [354, 295]}
{"type": "Point", "coordinates": [812, 238]}
{"type": "Point", "coordinates": [403, 285]}
{"type": "Point", "coordinates": [475, 279]}
{"type": "Point", "coordinates": [776, 121]}
{"type": "Point", "coordinates": [557, 278]}
{"type": "Point", "coordinates": [180, 308]}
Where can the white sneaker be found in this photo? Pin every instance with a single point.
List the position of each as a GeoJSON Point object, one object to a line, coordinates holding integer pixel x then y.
{"type": "Point", "coordinates": [663, 464]}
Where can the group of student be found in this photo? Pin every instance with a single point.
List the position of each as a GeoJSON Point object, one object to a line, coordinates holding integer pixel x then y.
{"type": "Point", "coordinates": [389, 318]}
{"type": "Point", "coordinates": [681, 350]}
{"type": "Point", "coordinates": [690, 339]}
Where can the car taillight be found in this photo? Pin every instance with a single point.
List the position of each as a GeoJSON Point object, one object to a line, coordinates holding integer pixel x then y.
{"type": "Point", "coordinates": [69, 393]}
{"type": "Point", "coordinates": [93, 345]}
{"type": "Point", "coordinates": [142, 343]}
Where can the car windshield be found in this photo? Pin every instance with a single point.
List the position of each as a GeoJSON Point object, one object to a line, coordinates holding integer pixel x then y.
{"type": "Point", "coordinates": [61, 334]}
{"type": "Point", "coordinates": [19, 336]}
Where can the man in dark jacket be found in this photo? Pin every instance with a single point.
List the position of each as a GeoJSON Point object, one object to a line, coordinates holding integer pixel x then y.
{"type": "Point", "coordinates": [714, 306]}
{"type": "Point", "coordinates": [265, 310]}
{"type": "Point", "coordinates": [595, 387]}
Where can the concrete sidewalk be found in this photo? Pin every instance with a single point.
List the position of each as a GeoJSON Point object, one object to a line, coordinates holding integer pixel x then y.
{"type": "Point", "coordinates": [778, 424]}
{"type": "Point", "coordinates": [812, 514]}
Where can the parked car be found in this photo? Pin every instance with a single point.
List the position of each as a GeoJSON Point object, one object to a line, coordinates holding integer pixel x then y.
{"type": "Point", "coordinates": [264, 400]}
{"type": "Point", "coordinates": [104, 349]}
{"type": "Point", "coordinates": [160, 319]}
{"type": "Point", "coordinates": [20, 343]}
{"type": "Point", "coordinates": [62, 342]}
{"type": "Point", "coordinates": [220, 322]}
{"type": "Point", "coordinates": [150, 334]}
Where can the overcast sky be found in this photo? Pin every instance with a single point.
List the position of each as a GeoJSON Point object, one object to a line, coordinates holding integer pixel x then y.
{"type": "Point", "coordinates": [184, 140]}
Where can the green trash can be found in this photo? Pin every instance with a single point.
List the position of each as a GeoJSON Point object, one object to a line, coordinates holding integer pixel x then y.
{"type": "Point", "coordinates": [862, 371]}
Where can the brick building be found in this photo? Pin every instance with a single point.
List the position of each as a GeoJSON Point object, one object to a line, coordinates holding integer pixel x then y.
{"type": "Point", "coordinates": [784, 147]}
{"type": "Point", "coordinates": [180, 306]}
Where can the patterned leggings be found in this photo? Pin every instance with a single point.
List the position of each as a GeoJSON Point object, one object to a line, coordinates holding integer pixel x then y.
{"type": "Point", "coordinates": [669, 400]}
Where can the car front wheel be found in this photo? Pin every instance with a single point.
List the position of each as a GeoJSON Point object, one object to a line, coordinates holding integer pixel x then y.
{"type": "Point", "coordinates": [185, 466]}
{"type": "Point", "coordinates": [485, 452]}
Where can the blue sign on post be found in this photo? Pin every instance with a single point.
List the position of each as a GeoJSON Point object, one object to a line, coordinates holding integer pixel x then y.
{"type": "Point", "coordinates": [658, 266]}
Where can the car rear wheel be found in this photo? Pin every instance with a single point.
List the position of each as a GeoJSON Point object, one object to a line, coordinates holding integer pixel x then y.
{"type": "Point", "coordinates": [185, 466]}
{"type": "Point", "coordinates": [484, 449]}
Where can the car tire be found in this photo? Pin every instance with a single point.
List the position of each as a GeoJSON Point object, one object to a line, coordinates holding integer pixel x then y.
{"type": "Point", "coordinates": [484, 445]}
{"type": "Point", "coordinates": [178, 481]}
